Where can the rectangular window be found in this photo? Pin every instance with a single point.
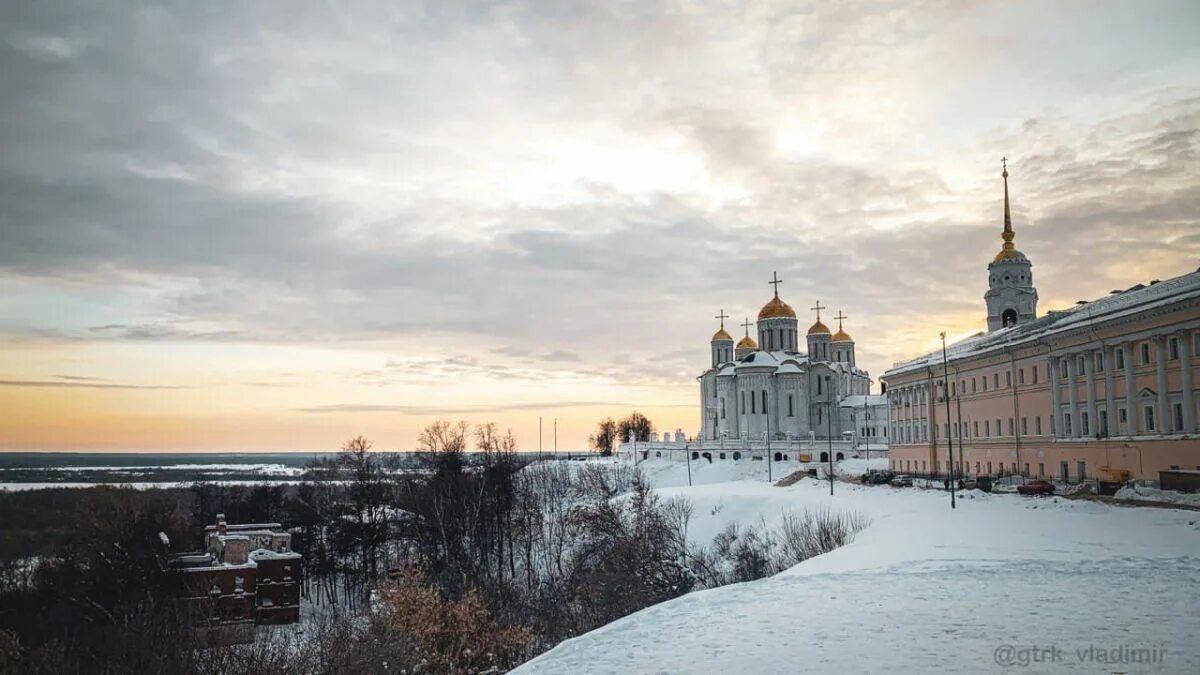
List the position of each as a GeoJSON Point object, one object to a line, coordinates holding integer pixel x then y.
{"type": "Point", "coordinates": [1081, 365]}
{"type": "Point", "coordinates": [1021, 376]}
{"type": "Point", "coordinates": [1173, 349]}
{"type": "Point", "coordinates": [976, 468]}
{"type": "Point", "coordinates": [989, 468]}
{"type": "Point", "coordinates": [1011, 432]}
{"type": "Point", "coordinates": [1145, 353]}
{"type": "Point", "coordinates": [1081, 468]}
{"type": "Point", "coordinates": [1062, 369]}
{"type": "Point", "coordinates": [1024, 426]}
{"type": "Point", "coordinates": [752, 399]}
{"type": "Point", "coordinates": [1026, 468]}
{"type": "Point", "coordinates": [976, 425]}
{"type": "Point", "coordinates": [1067, 423]}
{"type": "Point", "coordinates": [791, 412]}
{"type": "Point", "coordinates": [1041, 469]}
{"type": "Point", "coordinates": [1120, 356]}
{"type": "Point", "coordinates": [947, 430]}
{"type": "Point", "coordinates": [995, 380]}
{"type": "Point", "coordinates": [1052, 424]}
{"type": "Point", "coordinates": [1083, 423]}
{"type": "Point", "coordinates": [973, 387]}
{"type": "Point", "coordinates": [1148, 417]}
{"type": "Point", "coordinates": [998, 431]}
{"type": "Point", "coordinates": [1178, 410]}
{"type": "Point", "coordinates": [1008, 378]}
{"type": "Point", "coordinates": [1121, 416]}
{"type": "Point", "coordinates": [1099, 362]}
{"type": "Point", "coordinates": [1035, 371]}
{"type": "Point", "coordinates": [1037, 425]}
{"type": "Point", "coordinates": [1104, 422]}
{"type": "Point", "coordinates": [764, 405]}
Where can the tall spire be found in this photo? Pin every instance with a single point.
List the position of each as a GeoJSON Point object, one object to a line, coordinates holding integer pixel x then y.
{"type": "Point", "coordinates": [1008, 231]}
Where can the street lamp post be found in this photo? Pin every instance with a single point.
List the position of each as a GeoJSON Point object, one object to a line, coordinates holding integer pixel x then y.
{"type": "Point", "coordinates": [946, 396]}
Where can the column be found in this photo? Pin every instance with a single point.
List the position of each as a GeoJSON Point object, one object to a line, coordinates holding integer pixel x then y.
{"type": "Point", "coordinates": [1110, 406]}
{"type": "Point", "coordinates": [1131, 414]}
{"type": "Point", "coordinates": [1185, 378]}
{"type": "Point", "coordinates": [1055, 406]}
{"type": "Point", "coordinates": [1089, 371]}
{"type": "Point", "coordinates": [1072, 360]}
{"type": "Point", "coordinates": [1163, 415]}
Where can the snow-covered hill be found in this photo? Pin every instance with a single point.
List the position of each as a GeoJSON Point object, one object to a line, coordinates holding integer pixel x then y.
{"type": "Point", "coordinates": [999, 582]}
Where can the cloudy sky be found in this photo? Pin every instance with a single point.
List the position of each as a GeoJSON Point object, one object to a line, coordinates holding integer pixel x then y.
{"type": "Point", "coordinates": [240, 226]}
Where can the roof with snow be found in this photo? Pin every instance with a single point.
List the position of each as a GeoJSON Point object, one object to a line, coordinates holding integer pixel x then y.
{"type": "Point", "coordinates": [859, 400]}
{"type": "Point", "coordinates": [782, 362]}
{"type": "Point", "coordinates": [1118, 304]}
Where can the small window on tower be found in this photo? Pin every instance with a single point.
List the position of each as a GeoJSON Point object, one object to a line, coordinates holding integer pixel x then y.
{"type": "Point", "coordinates": [1008, 318]}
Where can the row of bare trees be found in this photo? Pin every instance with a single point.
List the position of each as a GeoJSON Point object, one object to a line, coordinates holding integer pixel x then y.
{"type": "Point", "coordinates": [473, 559]}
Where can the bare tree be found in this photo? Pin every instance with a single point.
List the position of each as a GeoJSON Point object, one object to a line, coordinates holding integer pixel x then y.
{"type": "Point", "coordinates": [635, 427]}
{"type": "Point", "coordinates": [605, 437]}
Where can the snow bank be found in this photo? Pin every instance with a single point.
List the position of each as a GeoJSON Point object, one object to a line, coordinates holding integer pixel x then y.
{"type": "Point", "coordinates": [922, 589]}
{"type": "Point", "coordinates": [1149, 494]}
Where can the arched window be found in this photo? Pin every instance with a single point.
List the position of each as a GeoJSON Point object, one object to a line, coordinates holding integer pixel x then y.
{"type": "Point", "coordinates": [1008, 318]}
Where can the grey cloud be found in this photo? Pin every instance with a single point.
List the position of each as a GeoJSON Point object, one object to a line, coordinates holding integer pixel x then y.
{"type": "Point", "coordinates": [454, 410]}
{"type": "Point", "coordinates": [81, 385]}
{"type": "Point", "coordinates": [168, 148]}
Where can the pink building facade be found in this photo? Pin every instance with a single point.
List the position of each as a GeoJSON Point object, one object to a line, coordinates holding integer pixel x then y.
{"type": "Point", "coordinates": [1105, 389]}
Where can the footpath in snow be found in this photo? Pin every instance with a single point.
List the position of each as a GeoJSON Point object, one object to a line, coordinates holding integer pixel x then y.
{"type": "Point", "coordinates": [1003, 583]}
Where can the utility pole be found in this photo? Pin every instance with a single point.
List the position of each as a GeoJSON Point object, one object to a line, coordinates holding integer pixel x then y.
{"type": "Point", "coordinates": [687, 457]}
{"type": "Point", "coordinates": [555, 438]}
{"type": "Point", "coordinates": [829, 430]}
{"type": "Point", "coordinates": [867, 423]}
{"type": "Point", "coordinates": [946, 395]}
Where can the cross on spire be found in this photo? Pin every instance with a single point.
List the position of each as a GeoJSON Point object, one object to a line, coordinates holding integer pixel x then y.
{"type": "Point", "coordinates": [818, 309]}
{"type": "Point", "coordinates": [839, 317]}
{"type": "Point", "coordinates": [747, 325]}
{"type": "Point", "coordinates": [722, 316]}
{"type": "Point", "coordinates": [1007, 236]}
{"type": "Point", "coordinates": [775, 281]}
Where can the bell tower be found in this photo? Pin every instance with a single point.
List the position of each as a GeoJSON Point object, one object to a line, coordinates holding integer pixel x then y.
{"type": "Point", "coordinates": [1011, 296]}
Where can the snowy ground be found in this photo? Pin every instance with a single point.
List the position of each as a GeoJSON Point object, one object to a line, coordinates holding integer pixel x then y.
{"type": "Point", "coordinates": [1002, 583]}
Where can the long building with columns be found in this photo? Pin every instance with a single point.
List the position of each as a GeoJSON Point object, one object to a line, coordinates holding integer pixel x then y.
{"type": "Point", "coordinates": [1104, 389]}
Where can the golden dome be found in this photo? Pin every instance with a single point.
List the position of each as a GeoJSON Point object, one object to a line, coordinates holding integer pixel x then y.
{"type": "Point", "coordinates": [747, 343]}
{"type": "Point", "coordinates": [842, 336]}
{"type": "Point", "coordinates": [776, 308]}
{"type": "Point", "coordinates": [1009, 253]}
{"type": "Point", "coordinates": [721, 336]}
{"type": "Point", "coordinates": [818, 327]}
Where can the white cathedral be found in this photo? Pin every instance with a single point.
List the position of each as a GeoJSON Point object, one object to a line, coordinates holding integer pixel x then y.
{"type": "Point", "coordinates": [770, 390]}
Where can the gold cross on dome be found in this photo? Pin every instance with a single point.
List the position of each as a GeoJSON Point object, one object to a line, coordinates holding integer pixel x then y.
{"type": "Point", "coordinates": [722, 316]}
{"type": "Point", "coordinates": [775, 281]}
{"type": "Point", "coordinates": [747, 325]}
{"type": "Point", "coordinates": [818, 308]}
{"type": "Point", "coordinates": [839, 317]}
